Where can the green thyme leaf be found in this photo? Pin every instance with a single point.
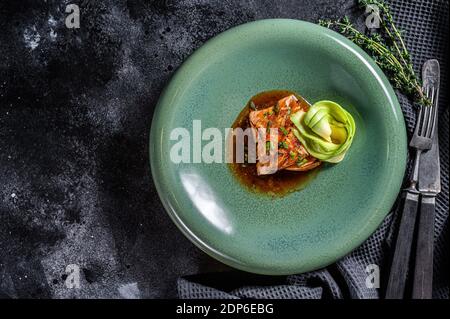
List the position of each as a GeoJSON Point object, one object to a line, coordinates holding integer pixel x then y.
{"type": "Point", "coordinates": [387, 48]}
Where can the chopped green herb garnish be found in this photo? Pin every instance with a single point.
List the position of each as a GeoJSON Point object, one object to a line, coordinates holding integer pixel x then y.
{"type": "Point", "coordinates": [252, 105]}
{"type": "Point", "coordinates": [285, 132]}
{"type": "Point", "coordinates": [301, 161]}
{"type": "Point", "coordinates": [276, 108]}
{"type": "Point", "coordinates": [283, 144]}
{"type": "Point", "coordinates": [292, 154]}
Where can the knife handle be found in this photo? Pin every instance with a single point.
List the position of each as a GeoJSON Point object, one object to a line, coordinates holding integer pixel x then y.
{"type": "Point", "coordinates": [423, 273]}
{"type": "Point", "coordinates": [400, 261]}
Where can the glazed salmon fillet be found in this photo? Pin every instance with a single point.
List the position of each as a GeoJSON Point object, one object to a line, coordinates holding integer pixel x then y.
{"type": "Point", "coordinates": [291, 153]}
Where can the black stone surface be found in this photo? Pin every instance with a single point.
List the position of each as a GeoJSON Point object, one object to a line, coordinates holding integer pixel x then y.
{"type": "Point", "coordinates": [75, 112]}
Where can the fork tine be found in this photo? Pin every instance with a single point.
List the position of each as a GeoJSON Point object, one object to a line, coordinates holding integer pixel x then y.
{"type": "Point", "coordinates": [418, 120]}
{"type": "Point", "coordinates": [424, 122]}
{"type": "Point", "coordinates": [431, 115]}
{"type": "Point", "coordinates": [433, 123]}
{"type": "Point", "coordinates": [435, 113]}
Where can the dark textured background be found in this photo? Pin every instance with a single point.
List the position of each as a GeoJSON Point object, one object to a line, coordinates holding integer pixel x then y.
{"type": "Point", "coordinates": [75, 114]}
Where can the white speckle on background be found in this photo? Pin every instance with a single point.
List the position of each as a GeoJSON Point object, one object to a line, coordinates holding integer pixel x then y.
{"type": "Point", "coordinates": [51, 21]}
{"type": "Point", "coordinates": [130, 291]}
{"type": "Point", "coordinates": [31, 38]}
{"type": "Point", "coordinates": [53, 35]}
{"type": "Point", "coordinates": [13, 195]}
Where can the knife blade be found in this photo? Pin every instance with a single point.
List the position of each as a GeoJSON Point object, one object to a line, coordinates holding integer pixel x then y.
{"type": "Point", "coordinates": [429, 185]}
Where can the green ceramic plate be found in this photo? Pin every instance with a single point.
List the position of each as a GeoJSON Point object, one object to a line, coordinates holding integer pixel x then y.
{"type": "Point", "coordinates": [340, 208]}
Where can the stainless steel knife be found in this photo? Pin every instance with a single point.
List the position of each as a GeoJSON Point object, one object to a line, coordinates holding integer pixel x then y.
{"type": "Point", "coordinates": [429, 187]}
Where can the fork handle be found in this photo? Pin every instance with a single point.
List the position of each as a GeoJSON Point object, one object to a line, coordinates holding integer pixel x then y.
{"type": "Point", "coordinates": [423, 272]}
{"type": "Point", "coordinates": [400, 261]}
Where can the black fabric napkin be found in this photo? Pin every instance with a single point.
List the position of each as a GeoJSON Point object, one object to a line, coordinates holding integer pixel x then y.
{"type": "Point", "coordinates": [426, 24]}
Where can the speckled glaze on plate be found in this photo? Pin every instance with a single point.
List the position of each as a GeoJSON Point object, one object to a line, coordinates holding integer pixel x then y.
{"type": "Point", "coordinates": [340, 208]}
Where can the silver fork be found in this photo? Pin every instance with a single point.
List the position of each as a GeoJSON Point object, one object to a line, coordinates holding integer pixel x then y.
{"type": "Point", "coordinates": [424, 131]}
{"type": "Point", "coordinates": [429, 187]}
{"type": "Point", "coordinates": [421, 141]}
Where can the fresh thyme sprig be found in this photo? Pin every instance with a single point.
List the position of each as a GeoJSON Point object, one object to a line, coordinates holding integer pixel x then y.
{"type": "Point", "coordinates": [387, 48]}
